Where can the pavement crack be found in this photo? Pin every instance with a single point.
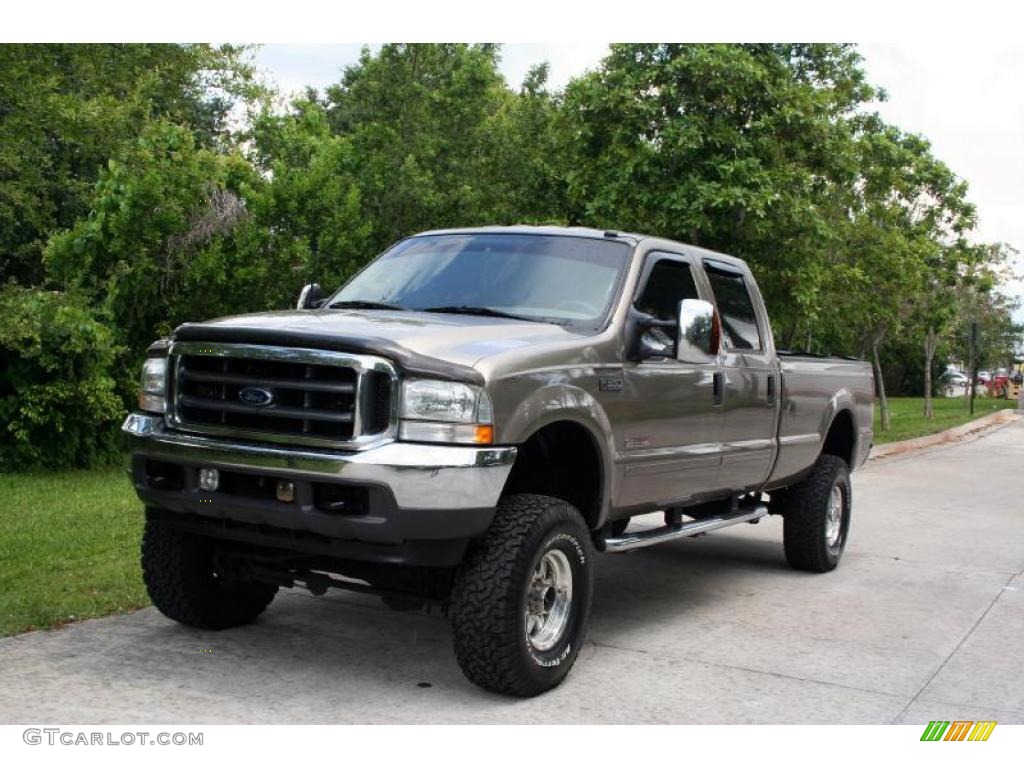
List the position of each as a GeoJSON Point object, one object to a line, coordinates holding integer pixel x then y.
{"type": "Point", "coordinates": [953, 653]}
{"type": "Point", "coordinates": [797, 678]}
{"type": "Point", "coordinates": [614, 647]}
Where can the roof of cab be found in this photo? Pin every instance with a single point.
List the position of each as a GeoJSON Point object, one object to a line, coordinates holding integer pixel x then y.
{"type": "Point", "coordinates": [587, 232]}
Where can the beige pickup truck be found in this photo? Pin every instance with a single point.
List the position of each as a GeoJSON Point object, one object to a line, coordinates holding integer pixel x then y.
{"type": "Point", "coordinates": [469, 420]}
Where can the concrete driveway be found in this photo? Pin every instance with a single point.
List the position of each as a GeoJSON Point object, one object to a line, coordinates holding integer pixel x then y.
{"type": "Point", "coordinates": [924, 620]}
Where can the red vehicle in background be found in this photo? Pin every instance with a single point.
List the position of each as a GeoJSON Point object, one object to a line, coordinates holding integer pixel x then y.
{"type": "Point", "coordinates": [997, 385]}
{"type": "Point", "coordinates": [1002, 384]}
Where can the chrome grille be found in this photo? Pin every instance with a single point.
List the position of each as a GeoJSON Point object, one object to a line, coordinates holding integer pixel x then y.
{"type": "Point", "coordinates": [281, 394]}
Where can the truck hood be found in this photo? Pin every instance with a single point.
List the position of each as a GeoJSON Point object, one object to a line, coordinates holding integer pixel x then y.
{"type": "Point", "coordinates": [459, 340]}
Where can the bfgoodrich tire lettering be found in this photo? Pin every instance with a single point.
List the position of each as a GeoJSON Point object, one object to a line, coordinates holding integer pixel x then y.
{"type": "Point", "coordinates": [502, 574]}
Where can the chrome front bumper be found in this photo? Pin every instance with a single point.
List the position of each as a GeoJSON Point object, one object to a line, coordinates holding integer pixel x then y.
{"type": "Point", "coordinates": [441, 477]}
{"type": "Point", "coordinates": [421, 503]}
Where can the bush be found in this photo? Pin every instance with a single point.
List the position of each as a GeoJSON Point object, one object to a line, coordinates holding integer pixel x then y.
{"type": "Point", "coordinates": [156, 248]}
{"type": "Point", "coordinates": [59, 402]}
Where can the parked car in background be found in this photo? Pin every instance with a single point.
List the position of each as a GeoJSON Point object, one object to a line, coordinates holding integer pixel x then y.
{"type": "Point", "coordinates": [955, 379]}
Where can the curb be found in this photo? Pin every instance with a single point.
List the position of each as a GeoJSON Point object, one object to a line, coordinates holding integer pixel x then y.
{"type": "Point", "coordinates": [952, 435]}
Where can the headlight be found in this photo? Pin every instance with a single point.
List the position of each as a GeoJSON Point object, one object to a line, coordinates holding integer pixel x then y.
{"type": "Point", "coordinates": [154, 385]}
{"type": "Point", "coordinates": [445, 412]}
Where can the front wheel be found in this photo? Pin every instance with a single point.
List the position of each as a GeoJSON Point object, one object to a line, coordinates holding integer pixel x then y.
{"type": "Point", "coordinates": [816, 516]}
{"type": "Point", "coordinates": [521, 600]}
{"type": "Point", "coordinates": [184, 583]}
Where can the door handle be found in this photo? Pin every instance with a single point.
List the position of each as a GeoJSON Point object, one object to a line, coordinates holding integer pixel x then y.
{"type": "Point", "coordinates": [771, 389]}
{"type": "Point", "coordinates": [717, 388]}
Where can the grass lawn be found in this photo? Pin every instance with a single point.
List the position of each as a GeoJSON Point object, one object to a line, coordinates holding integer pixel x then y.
{"type": "Point", "coordinates": [69, 548]}
{"type": "Point", "coordinates": [908, 421]}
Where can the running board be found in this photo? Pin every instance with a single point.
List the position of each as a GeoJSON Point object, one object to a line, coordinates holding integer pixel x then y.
{"type": "Point", "coordinates": [639, 539]}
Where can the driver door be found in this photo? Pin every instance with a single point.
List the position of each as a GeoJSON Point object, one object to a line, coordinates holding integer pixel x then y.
{"type": "Point", "coordinates": [667, 429]}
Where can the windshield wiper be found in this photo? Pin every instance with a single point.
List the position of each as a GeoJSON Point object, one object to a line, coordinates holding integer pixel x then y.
{"type": "Point", "coordinates": [364, 305]}
{"type": "Point", "coordinates": [463, 309]}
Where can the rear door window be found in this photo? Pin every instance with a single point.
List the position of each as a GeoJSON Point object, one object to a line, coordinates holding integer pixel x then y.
{"type": "Point", "coordinates": [739, 320]}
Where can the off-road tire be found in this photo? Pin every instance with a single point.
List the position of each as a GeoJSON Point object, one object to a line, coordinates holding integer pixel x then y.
{"type": "Point", "coordinates": [489, 597]}
{"type": "Point", "coordinates": [805, 508]}
{"type": "Point", "coordinates": [178, 569]}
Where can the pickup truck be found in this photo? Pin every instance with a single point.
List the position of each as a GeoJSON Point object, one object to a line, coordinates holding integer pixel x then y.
{"type": "Point", "coordinates": [469, 420]}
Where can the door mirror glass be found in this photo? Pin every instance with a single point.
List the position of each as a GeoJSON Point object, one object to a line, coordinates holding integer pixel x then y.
{"type": "Point", "coordinates": [698, 333]}
{"type": "Point", "coordinates": [311, 297]}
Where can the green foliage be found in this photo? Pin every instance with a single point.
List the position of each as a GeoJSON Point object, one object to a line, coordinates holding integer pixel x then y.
{"type": "Point", "coordinates": [997, 343]}
{"type": "Point", "coordinates": [65, 110]}
{"type": "Point", "coordinates": [156, 247]}
{"type": "Point", "coordinates": [424, 122]}
{"type": "Point", "coordinates": [58, 400]}
{"type": "Point", "coordinates": [734, 147]}
{"type": "Point", "coordinates": [309, 224]}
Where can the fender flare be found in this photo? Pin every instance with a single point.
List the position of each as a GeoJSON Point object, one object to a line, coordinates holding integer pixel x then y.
{"type": "Point", "coordinates": [554, 403]}
{"type": "Point", "coordinates": [841, 401]}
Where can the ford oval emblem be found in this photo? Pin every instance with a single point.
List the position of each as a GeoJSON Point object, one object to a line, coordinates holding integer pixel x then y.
{"type": "Point", "coordinates": [256, 396]}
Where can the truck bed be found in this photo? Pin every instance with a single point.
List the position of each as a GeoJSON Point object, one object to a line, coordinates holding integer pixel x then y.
{"type": "Point", "coordinates": [814, 388]}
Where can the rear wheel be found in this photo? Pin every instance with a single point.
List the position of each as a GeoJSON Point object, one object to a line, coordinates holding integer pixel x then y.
{"type": "Point", "coordinates": [183, 581]}
{"type": "Point", "coordinates": [816, 516]}
{"type": "Point", "coordinates": [521, 600]}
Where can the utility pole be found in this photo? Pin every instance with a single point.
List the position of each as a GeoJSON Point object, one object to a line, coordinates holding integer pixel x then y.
{"type": "Point", "coordinates": [974, 367]}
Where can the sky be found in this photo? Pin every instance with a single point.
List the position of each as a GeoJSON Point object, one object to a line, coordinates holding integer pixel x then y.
{"type": "Point", "coordinates": [966, 98]}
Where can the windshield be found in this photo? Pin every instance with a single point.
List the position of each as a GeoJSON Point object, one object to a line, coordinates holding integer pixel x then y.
{"type": "Point", "coordinates": [535, 277]}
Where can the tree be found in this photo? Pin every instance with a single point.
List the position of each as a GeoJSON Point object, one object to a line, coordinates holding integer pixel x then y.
{"type": "Point", "coordinates": [309, 221]}
{"type": "Point", "coordinates": [526, 163]}
{"type": "Point", "coordinates": [905, 213]}
{"type": "Point", "coordinates": [936, 310]}
{"type": "Point", "coordinates": [735, 147]}
{"type": "Point", "coordinates": [417, 118]}
{"type": "Point", "coordinates": [157, 246]}
{"type": "Point", "coordinates": [65, 110]}
{"type": "Point", "coordinates": [980, 302]}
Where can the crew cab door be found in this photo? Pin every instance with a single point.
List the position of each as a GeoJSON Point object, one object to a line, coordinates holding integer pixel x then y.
{"type": "Point", "coordinates": [666, 421]}
{"type": "Point", "coordinates": [749, 367]}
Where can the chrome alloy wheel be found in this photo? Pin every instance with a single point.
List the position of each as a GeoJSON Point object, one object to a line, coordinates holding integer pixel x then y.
{"type": "Point", "coordinates": [549, 600]}
{"type": "Point", "coordinates": [834, 518]}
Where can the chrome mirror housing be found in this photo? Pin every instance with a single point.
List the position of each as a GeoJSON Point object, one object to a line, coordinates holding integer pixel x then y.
{"type": "Point", "coordinates": [698, 332]}
{"type": "Point", "coordinates": [310, 297]}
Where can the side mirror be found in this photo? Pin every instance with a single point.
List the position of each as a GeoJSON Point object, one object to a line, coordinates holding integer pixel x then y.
{"type": "Point", "coordinates": [311, 297]}
{"type": "Point", "coordinates": [699, 332]}
{"type": "Point", "coordinates": [647, 336]}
